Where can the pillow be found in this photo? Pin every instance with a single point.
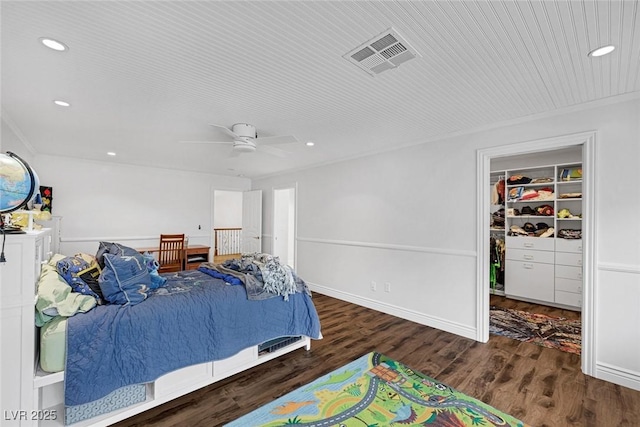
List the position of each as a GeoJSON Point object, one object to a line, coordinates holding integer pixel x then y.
{"type": "Point", "coordinates": [113, 249]}
{"type": "Point", "coordinates": [124, 279]}
{"type": "Point", "coordinates": [55, 296]}
{"type": "Point", "coordinates": [81, 272]}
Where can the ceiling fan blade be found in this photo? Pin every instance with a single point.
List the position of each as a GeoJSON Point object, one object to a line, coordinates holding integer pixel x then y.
{"type": "Point", "coordinates": [226, 130]}
{"type": "Point", "coordinates": [272, 140]}
{"type": "Point", "coordinates": [205, 142]}
{"type": "Point", "coordinates": [273, 151]}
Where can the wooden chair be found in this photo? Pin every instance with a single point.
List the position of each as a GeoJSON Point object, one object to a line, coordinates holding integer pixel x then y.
{"type": "Point", "coordinates": [171, 254]}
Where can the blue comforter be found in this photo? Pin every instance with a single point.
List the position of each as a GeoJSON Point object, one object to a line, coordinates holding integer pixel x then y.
{"type": "Point", "coordinates": [194, 319]}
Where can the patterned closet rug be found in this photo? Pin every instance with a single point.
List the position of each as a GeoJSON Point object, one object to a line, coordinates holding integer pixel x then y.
{"type": "Point", "coordinates": [547, 331]}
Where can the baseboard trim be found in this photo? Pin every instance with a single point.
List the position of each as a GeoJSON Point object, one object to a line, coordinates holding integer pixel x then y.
{"type": "Point", "coordinates": [616, 375]}
{"type": "Point", "coordinates": [403, 313]}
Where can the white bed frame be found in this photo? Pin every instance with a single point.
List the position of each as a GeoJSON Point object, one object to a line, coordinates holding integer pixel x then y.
{"type": "Point", "coordinates": [32, 397]}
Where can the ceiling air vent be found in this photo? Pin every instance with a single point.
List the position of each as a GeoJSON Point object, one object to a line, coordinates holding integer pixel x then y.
{"type": "Point", "coordinates": [384, 52]}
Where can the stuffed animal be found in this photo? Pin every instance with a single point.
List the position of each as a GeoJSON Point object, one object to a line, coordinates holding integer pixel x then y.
{"type": "Point", "coordinates": [157, 281]}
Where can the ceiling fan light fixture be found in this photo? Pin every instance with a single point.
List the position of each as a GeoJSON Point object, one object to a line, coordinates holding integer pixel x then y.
{"type": "Point", "coordinates": [310, 143]}
{"type": "Point", "coordinates": [61, 103]}
{"type": "Point", "coordinates": [53, 44]}
{"type": "Point", "coordinates": [602, 51]}
{"type": "Point", "coordinates": [244, 145]}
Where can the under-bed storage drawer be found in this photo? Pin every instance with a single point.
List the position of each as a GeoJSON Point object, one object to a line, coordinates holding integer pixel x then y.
{"type": "Point", "coordinates": [189, 377]}
{"type": "Point", "coordinates": [234, 364]}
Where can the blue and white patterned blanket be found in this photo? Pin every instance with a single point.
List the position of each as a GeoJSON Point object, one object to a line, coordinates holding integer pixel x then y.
{"type": "Point", "coordinates": [194, 319]}
{"type": "Point", "coordinates": [263, 276]}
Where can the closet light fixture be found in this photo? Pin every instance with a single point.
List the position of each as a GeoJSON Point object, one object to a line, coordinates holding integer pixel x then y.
{"type": "Point", "coordinates": [602, 50]}
{"type": "Point", "coordinates": [53, 44]}
{"type": "Point", "coordinates": [61, 103]}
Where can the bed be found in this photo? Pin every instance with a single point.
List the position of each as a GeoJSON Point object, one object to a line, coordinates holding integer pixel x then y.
{"type": "Point", "coordinates": [193, 329]}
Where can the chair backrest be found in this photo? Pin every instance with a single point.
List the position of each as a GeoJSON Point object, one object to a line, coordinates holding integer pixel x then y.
{"type": "Point", "coordinates": [171, 254]}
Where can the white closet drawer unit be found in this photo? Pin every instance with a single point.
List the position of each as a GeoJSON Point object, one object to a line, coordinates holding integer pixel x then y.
{"type": "Point", "coordinates": [568, 285]}
{"type": "Point", "coordinates": [569, 245]}
{"type": "Point", "coordinates": [571, 259]}
{"type": "Point", "coordinates": [569, 298]}
{"type": "Point", "coordinates": [530, 255]}
{"type": "Point", "coordinates": [568, 272]}
{"type": "Point", "coordinates": [529, 280]}
{"type": "Point", "coordinates": [535, 243]}
{"type": "Point", "coordinates": [569, 275]}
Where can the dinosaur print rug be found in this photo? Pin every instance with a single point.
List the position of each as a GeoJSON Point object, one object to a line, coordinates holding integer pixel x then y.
{"type": "Point", "coordinates": [376, 391]}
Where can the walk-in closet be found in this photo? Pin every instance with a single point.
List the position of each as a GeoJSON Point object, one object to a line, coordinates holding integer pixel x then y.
{"type": "Point", "coordinates": [536, 233]}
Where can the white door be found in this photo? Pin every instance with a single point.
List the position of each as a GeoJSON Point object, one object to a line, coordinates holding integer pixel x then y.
{"type": "Point", "coordinates": [252, 221]}
{"type": "Point", "coordinates": [284, 203]}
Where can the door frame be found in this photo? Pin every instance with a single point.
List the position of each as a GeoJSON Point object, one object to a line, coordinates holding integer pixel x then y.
{"type": "Point", "coordinates": [483, 158]}
{"type": "Point", "coordinates": [293, 187]}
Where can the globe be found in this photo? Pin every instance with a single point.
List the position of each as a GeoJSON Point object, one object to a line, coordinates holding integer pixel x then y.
{"type": "Point", "coordinates": [18, 183]}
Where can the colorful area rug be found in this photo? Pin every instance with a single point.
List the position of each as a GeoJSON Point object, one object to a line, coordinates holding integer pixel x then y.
{"type": "Point", "coordinates": [552, 332]}
{"type": "Point", "coordinates": [375, 391]}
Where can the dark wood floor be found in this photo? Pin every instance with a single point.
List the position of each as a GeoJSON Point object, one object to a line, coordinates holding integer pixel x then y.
{"type": "Point", "coordinates": [541, 386]}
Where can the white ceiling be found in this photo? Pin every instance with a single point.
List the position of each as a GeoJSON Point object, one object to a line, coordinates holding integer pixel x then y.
{"type": "Point", "coordinates": [142, 76]}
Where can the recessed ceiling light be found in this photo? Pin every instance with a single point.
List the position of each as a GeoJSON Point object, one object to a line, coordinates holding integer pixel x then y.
{"type": "Point", "coordinates": [110, 153]}
{"type": "Point", "coordinates": [53, 44]}
{"type": "Point", "coordinates": [61, 103]}
{"type": "Point", "coordinates": [310, 143]}
{"type": "Point", "coordinates": [602, 50]}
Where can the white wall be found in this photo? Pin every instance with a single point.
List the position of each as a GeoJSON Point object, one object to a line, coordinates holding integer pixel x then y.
{"type": "Point", "coordinates": [129, 204]}
{"type": "Point", "coordinates": [227, 209]}
{"type": "Point", "coordinates": [407, 217]}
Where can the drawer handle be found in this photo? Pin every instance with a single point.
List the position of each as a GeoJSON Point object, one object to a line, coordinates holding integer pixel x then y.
{"type": "Point", "coordinates": [528, 257]}
{"type": "Point", "coordinates": [579, 262]}
{"type": "Point", "coordinates": [580, 248]}
{"type": "Point", "coordinates": [528, 245]}
{"type": "Point", "coordinates": [528, 266]}
{"type": "Point", "coordinates": [579, 275]}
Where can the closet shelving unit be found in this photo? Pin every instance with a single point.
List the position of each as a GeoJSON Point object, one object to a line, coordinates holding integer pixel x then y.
{"type": "Point", "coordinates": [545, 270]}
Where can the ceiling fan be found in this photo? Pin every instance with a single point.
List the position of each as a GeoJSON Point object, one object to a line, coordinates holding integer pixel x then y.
{"type": "Point", "coordinates": [244, 139]}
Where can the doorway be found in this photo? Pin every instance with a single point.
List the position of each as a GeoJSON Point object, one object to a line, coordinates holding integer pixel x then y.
{"type": "Point", "coordinates": [284, 224]}
{"type": "Point", "coordinates": [485, 157]}
{"type": "Point", "coordinates": [227, 215]}
{"type": "Point", "coordinates": [237, 223]}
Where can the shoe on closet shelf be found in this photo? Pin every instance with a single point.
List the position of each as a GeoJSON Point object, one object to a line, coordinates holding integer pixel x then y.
{"type": "Point", "coordinates": [548, 233]}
